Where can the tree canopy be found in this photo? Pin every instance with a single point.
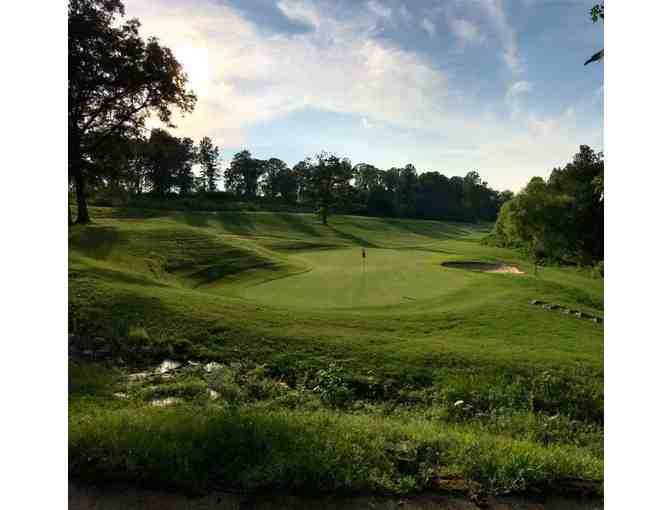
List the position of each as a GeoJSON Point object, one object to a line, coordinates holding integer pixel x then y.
{"type": "Point", "coordinates": [561, 218]}
{"type": "Point", "coordinates": [116, 81]}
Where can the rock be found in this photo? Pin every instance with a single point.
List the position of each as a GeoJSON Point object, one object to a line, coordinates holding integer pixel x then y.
{"type": "Point", "coordinates": [535, 302]}
{"type": "Point", "coordinates": [167, 366]}
{"type": "Point", "coordinates": [458, 403]}
{"type": "Point", "coordinates": [214, 395]}
{"type": "Point", "coordinates": [579, 315]}
{"type": "Point", "coordinates": [120, 395]}
{"type": "Point", "coordinates": [193, 363]}
{"type": "Point", "coordinates": [165, 402]}
{"type": "Point", "coordinates": [212, 366]}
{"type": "Point", "coordinates": [566, 311]}
{"type": "Point", "coordinates": [139, 376]}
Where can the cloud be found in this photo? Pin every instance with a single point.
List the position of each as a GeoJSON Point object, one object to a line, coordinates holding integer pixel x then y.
{"type": "Point", "coordinates": [257, 77]}
{"type": "Point", "coordinates": [466, 31]}
{"type": "Point", "coordinates": [519, 88]}
{"type": "Point", "coordinates": [247, 77]}
{"type": "Point", "coordinates": [379, 9]}
{"type": "Point", "coordinates": [429, 27]}
{"type": "Point", "coordinates": [496, 15]}
{"type": "Point", "coordinates": [302, 12]}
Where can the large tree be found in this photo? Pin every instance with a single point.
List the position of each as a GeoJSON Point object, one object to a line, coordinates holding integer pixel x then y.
{"type": "Point", "coordinates": [168, 162]}
{"type": "Point", "coordinates": [327, 175]}
{"type": "Point", "coordinates": [208, 157]}
{"type": "Point", "coordinates": [116, 81]}
{"type": "Point", "coordinates": [281, 180]}
{"type": "Point", "coordinates": [242, 176]}
{"type": "Point", "coordinates": [561, 218]}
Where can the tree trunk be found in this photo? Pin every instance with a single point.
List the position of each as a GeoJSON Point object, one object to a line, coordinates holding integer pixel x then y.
{"type": "Point", "coordinates": [80, 188]}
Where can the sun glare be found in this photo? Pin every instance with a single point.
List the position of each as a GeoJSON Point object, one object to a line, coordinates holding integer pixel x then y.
{"type": "Point", "coordinates": [196, 63]}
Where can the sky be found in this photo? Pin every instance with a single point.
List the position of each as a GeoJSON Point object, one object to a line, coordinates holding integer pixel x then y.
{"type": "Point", "coordinates": [496, 86]}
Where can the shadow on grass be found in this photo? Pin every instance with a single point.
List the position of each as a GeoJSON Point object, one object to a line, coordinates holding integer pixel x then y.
{"type": "Point", "coordinates": [432, 229]}
{"type": "Point", "coordinates": [95, 241]}
{"type": "Point", "coordinates": [360, 241]}
{"type": "Point", "coordinates": [298, 223]}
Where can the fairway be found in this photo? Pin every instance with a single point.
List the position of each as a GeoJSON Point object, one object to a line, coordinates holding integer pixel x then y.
{"type": "Point", "coordinates": [340, 279]}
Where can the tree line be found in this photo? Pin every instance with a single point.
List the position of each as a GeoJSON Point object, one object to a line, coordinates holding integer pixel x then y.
{"type": "Point", "coordinates": [162, 165]}
{"type": "Point", "coordinates": [561, 218]}
{"type": "Point", "coordinates": [117, 80]}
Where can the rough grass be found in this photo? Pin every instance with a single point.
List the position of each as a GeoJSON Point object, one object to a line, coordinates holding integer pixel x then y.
{"type": "Point", "coordinates": [399, 349]}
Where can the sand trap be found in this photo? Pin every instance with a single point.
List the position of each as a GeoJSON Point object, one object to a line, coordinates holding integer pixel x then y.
{"type": "Point", "coordinates": [485, 267]}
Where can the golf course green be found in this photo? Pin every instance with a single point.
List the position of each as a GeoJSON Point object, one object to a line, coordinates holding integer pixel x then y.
{"type": "Point", "coordinates": [335, 372]}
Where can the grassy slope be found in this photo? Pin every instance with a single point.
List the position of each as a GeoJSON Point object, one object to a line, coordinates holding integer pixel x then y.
{"type": "Point", "coordinates": [285, 290]}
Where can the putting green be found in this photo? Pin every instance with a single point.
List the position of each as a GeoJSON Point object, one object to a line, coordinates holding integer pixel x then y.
{"type": "Point", "coordinates": [339, 279]}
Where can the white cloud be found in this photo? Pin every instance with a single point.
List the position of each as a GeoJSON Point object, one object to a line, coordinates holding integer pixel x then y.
{"type": "Point", "coordinates": [379, 9]}
{"type": "Point", "coordinates": [257, 77]}
{"type": "Point", "coordinates": [519, 88]}
{"type": "Point", "coordinates": [494, 10]}
{"type": "Point", "coordinates": [246, 76]}
{"type": "Point", "coordinates": [466, 31]}
{"type": "Point", "coordinates": [303, 12]}
{"type": "Point", "coordinates": [429, 27]}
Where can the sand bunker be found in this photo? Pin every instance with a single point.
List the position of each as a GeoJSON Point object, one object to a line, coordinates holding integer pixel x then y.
{"type": "Point", "coordinates": [485, 267]}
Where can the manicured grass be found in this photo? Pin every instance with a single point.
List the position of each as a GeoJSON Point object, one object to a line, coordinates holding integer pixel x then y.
{"type": "Point", "coordinates": [282, 290]}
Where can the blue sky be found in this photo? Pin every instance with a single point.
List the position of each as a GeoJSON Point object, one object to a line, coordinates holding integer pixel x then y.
{"type": "Point", "coordinates": [496, 86]}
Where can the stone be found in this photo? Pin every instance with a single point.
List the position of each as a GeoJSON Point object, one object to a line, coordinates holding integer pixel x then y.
{"type": "Point", "coordinates": [212, 366]}
{"type": "Point", "coordinates": [168, 366]}
{"type": "Point", "coordinates": [458, 403]}
{"type": "Point", "coordinates": [214, 395]}
{"type": "Point", "coordinates": [165, 402]}
{"type": "Point", "coordinates": [120, 395]}
{"type": "Point", "coordinates": [535, 302]}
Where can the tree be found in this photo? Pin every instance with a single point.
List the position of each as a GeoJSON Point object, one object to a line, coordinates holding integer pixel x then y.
{"type": "Point", "coordinates": [327, 175]}
{"type": "Point", "coordinates": [116, 80]}
{"type": "Point", "coordinates": [168, 162]}
{"type": "Point", "coordinates": [273, 167]}
{"type": "Point", "coordinates": [596, 14]}
{"type": "Point", "coordinates": [408, 190]}
{"type": "Point", "coordinates": [242, 176]}
{"type": "Point", "coordinates": [208, 158]}
{"type": "Point", "coordinates": [186, 155]}
{"type": "Point", "coordinates": [366, 176]}
{"type": "Point", "coordinates": [561, 218]}
{"type": "Point", "coordinates": [280, 180]}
